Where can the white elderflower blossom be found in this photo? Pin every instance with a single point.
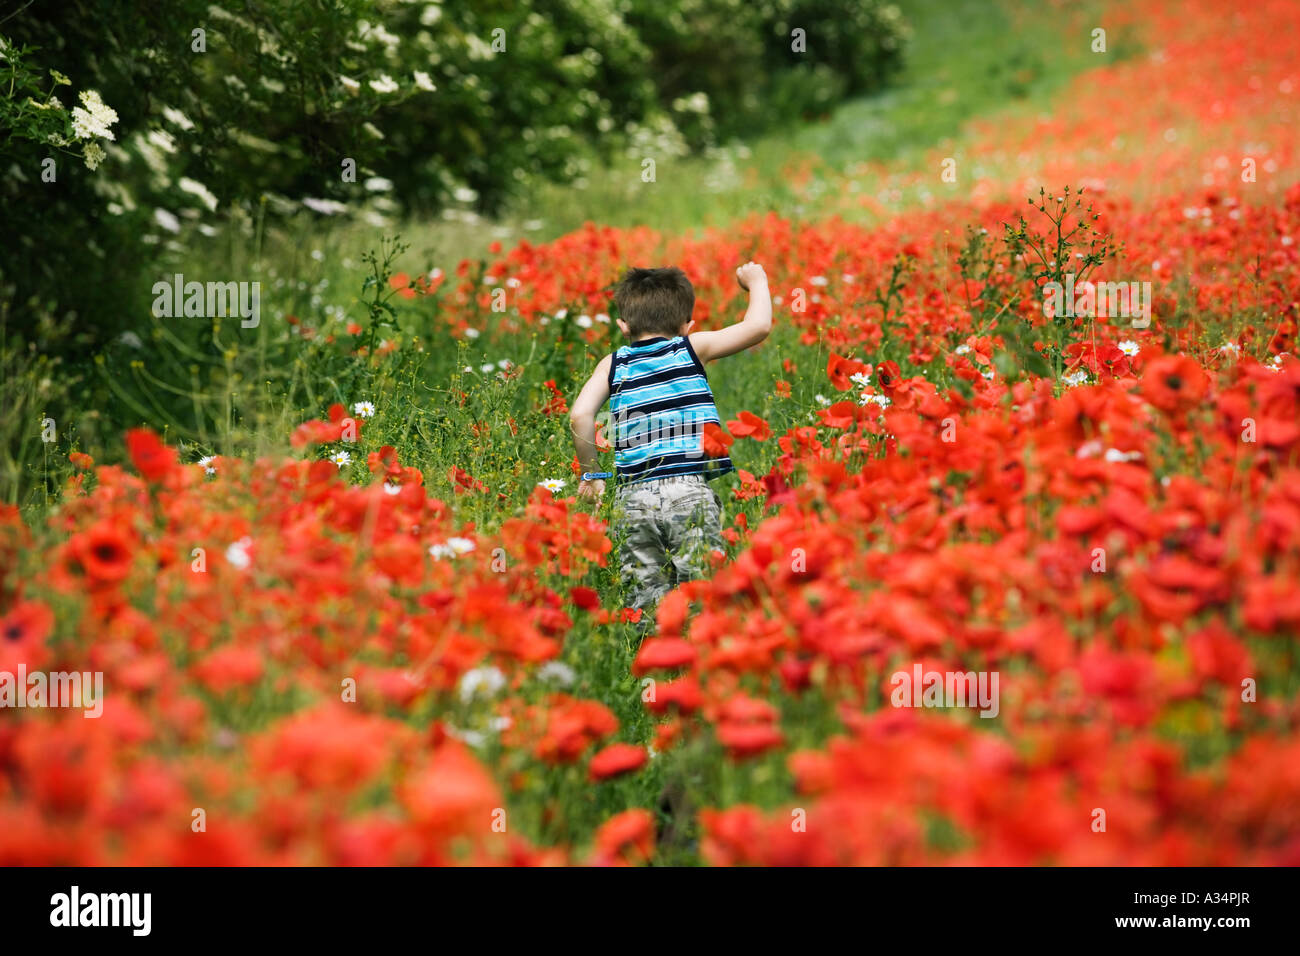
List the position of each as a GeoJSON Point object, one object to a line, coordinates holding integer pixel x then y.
{"type": "Point", "coordinates": [385, 84]}
{"type": "Point", "coordinates": [196, 188]}
{"type": "Point", "coordinates": [177, 118]}
{"type": "Point", "coordinates": [166, 220]}
{"type": "Point", "coordinates": [423, 82]}
{"type": "Point", "coordinates": [93, 117]}
{"type": "Point", "coordinates": [93, 154]}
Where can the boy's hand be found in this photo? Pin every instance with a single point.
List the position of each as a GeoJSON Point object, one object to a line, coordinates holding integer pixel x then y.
{"type": "Point", "coordinates": [750, 275]}
{"type": "Point", "coordinates": [594, 489]}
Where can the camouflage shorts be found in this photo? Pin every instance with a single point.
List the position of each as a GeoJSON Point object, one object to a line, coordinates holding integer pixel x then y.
{"type": "Point", "coordinates": [665, 529]}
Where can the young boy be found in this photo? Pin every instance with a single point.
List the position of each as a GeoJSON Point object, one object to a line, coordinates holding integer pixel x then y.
{"type": "Point", "coordinates": [666, 518]}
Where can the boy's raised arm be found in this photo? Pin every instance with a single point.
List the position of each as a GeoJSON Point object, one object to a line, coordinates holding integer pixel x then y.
{"type": "Point", "coordinates": [750, 330]}
{"type": "Point", "coordinates": [582, 422]}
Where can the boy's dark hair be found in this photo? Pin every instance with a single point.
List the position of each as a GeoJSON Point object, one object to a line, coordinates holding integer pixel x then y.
{"type": "Point", "coordinates": [654, 301]}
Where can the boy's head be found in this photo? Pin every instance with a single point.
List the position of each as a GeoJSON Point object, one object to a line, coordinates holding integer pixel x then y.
{"type": "Point", "coordinates": [654, 302]}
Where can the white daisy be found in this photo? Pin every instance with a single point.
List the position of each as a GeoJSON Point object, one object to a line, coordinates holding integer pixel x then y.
{"type": "Point", "coordinates": [1114, 454]}
{"type": "Point", "coordinates": [341, 458]}
{"type": "Point", "coordinates": [481, 681]}
{"type": "Point", "coordinates": [557, 673]}
{"type": "Point", "coordinates": [363, 409]}
{"type": "Point", "coordinates": [237, 553]}
{"type": "Point", "coordinates": [1129, 348]}
{"type": "Point", "coordinates": [206, 463]}
{"type": "Point", "coordinates": [553, 485]}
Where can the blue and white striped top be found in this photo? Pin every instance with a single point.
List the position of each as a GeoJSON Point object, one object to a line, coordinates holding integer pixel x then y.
{"type": "Point", "coordinates": [659, 403]}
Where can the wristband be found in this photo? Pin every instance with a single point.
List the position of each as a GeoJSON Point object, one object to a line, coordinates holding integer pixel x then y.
{"type": "Point", "coordinates": [589, 475]}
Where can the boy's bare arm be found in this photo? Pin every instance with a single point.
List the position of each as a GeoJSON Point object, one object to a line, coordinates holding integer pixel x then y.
{"type": "Point", "coordinates": [750, 330]}
{"type": "Point", "coordinates": [582, 422]}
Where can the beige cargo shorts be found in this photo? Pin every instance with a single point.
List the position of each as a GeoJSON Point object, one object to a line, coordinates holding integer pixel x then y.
{"type": "Point", "coordinates": [664, 529]}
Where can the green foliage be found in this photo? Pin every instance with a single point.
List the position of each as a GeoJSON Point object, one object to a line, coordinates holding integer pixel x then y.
{"type": "Point", "coordinates": [247, 111]}
{"type": "Point", "coordinates": [729, 68]}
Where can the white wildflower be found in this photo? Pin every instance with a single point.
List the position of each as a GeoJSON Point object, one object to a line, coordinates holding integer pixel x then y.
{"type": "Point", "coordinates": [557, 673]}
{"type": "Point", "coordinates": [237, 553]}
{"type": "Point", "coordinates": [481, 681]}
{"type": "Point", "coordinates": [93, 117]}
{"type": "Point", "coordinates": [93, 154]}
{"type": "Point", "coordinates": [196, 188]}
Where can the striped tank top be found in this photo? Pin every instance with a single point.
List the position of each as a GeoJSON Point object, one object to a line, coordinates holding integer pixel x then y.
{"type": "Point", "coordinates": [659, 403]}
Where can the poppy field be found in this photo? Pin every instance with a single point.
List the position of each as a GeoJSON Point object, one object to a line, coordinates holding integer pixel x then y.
{"type": "Point", "coordinates": [386, 631]}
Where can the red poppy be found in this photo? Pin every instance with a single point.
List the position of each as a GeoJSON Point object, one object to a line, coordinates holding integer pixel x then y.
{"type": "Point", "coordinates": [103, 553]}
{"type": "Point", "coordinates": [748, 740]}
{"type": "Point", "coordinates": [663, 653]}
{"type": "Point", "coordinates": [616, 760]}
{"type": "Point", "coordinates": [22, 635]}
{"type": "Point", "coordinates": [151, 457]}
{"type": "Point", "coordinates": [749, 425]}
{"type": "Point", "coordinates": [838, 370]}
{"type": "Point", "coordinates": [1174, 383]}
{"type": "Point", "coordinates": [715, 440]}
{"type": "Point", "coordinates": [625, 838]}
